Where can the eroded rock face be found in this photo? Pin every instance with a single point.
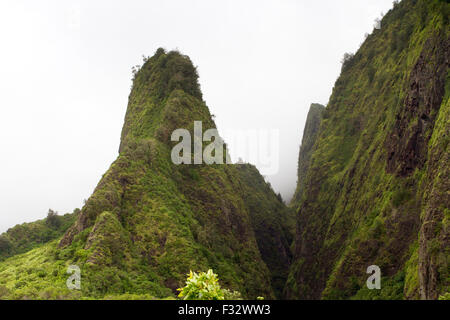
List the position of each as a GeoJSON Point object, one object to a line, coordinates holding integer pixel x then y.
{"type": "Point", "coordinates": [408, 150]}
{"type": "Point", "coordinates": [434, 240]}
{"type": "Point", "coordinates": [407, 145]}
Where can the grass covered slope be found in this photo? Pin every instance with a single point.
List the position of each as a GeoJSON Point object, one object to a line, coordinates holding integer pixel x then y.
{"type": "Point", "coordinates": [308, 139]}
{"type": "Point", "coordinates": [26, 236]}
{"type": "Point", "coordinates": [150, 221]}
{"type": "Point", "coordinates": [174, 218]}
{"type": "Point", "coordinates": [273, 223]}
{"type": "Point", "coordinates": [376, 192]}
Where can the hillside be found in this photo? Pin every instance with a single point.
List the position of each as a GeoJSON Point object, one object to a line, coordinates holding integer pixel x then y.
{"type": "Point", "coordinates": [150, 221]}
{"type": "Point", "coordinates": [306, 148]}
{"type": "Point", "coordinates": [377, 188]}
{"type": "Point", "coordinates": [373, 189]}
{"type": "Point", "coordinates": [27, 236]}
{"type": "Point", "coordinates": [272, 222]}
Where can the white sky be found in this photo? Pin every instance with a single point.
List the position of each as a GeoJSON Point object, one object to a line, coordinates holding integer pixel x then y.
{"type": "Point", "coordinates": [65, 76]}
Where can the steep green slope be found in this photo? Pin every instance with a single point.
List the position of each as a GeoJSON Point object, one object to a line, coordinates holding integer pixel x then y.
{"type": "Point", "coordinates": [308, 139]}
{"type": "Point", "coordinates": [377, 189]}
{"type": "Point", "coordinates": [273, 223]}
{"type": "Point", "coordinates": [27, 236]}
{"type": "Point", "coordinates": [176, 218]}
{"type": "Point", "coordinates": [150, 221]}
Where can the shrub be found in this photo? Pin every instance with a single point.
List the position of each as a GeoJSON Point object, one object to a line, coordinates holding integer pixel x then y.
{"type": "Point", "coordinates": [4, 292]}
{"type": "Point", "coordinates": [53, 219]}
{"type": "Point", "coordinates": [347, 60]}
{"type": "Point", "coordinates": [446, 296]}
{"type": "Point", "coordinates": [400, 197]}
{"type": "Point", "coordinates": [5, 244]}
{"type": "Point", "coordinates": [234, 295]}
{"type": "Point", "coordinates": [205, 286]}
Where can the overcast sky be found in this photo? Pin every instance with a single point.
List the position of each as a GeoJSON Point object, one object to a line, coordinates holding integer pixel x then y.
{"type": "Point", "coordinates": [65, 76]}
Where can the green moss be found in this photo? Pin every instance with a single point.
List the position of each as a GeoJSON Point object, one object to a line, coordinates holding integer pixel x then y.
{"type": "Point", "coordinates": [358, 207]}
{"type": "Point", "coordinates": [391, 289]}
{"type": "Point", "coordinates": [412, 273]}
{"type": "Point", "coordinates": [149, 221]}
{"type": "Point", "coordinates": [27, 236]}
{"type": "Point", "coordinates": [274, 232]}
{"type": "Point", "coordinates": [310, 132]}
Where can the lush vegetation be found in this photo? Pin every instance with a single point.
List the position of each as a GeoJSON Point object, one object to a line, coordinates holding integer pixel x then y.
{"type": "Point", "coordinates": [376, 191]}
{"type": "Point", "coordinates": [308, 139]}
{"type": "Point", "coordinates": [373, 183]}
{"type": "Point", "coordinates": [205, 286]}
{"type": "Point", "coordinates": [274, 232]}
{"type": "Point", "coordinates": [27, 236]}
{"type": "Point", "coordinates": [150, 221]}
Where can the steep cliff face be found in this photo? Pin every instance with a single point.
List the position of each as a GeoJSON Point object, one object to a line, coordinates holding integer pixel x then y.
{"type": "Point", "coordinates": [308, 139]}
{"type": "Point", "coordinates": [376, 191]}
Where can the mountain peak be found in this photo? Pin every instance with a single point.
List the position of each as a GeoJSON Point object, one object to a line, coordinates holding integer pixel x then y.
{"type": "Point", "coordinates": [309, 138]}
{"type": "Point", "coordinates": [166, 71]}
{"type": "Point", "coordinates": [165, 95]}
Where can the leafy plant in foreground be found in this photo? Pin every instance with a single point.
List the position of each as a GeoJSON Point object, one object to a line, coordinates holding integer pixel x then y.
{"type": "Point", "coordinates": [205, 286]}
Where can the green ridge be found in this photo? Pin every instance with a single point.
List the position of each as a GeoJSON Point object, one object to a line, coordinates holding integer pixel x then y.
{"type": "Point", "coordinates": [26, 236]}
{"type": "Point", "coordinates": [309, 138]}
{"type": "Point", "coordinates": [150, 221]}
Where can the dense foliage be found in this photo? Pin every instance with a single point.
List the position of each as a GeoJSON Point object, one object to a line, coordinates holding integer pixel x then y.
{"type": "Point", "coordinates": [205, 286]}
{"type": "Point", "coordinates": [308, 139]}
{"type": "Point", "coordinates": [376, 191]}
{"type": "Point", "coordinates": [27, 236]}
{"type": "Point", "coordinates": [150, 221]}
{"type": "Point", "coordinates": [274, 232]}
